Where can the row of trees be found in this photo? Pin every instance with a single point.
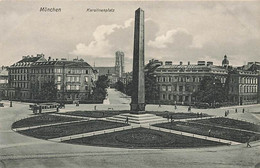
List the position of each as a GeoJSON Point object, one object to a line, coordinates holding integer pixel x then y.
{"type": "Point", "coordinates": [151, 91]}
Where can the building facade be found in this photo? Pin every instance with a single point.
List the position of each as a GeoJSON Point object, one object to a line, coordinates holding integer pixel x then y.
{"type": "Point", "coordinates": [74, 80]}
{"type": "Point", "coordinates": [3, 82]}
{"type": "Point", "coordinates": [176, 82]}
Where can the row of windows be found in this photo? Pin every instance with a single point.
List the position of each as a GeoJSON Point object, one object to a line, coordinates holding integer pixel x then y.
{"type": "Point", "coordinates": [175, 97]}
{"type": "Point", "coordinates": [20, 85]}
{"type": "Point", "coordinates": [184, 79]}
{"type": "Point", "coordinates": [19, 77]}
{"type": "Point", "coordinates": [178, 88]}
{"type": "Point", "coordinates": [248, 80]}
{"type": "Point", "coordinates": [248, 89]}
{"type": "Point", "coordinates": [72, 78]}
{"type": "Point", "coordinates": [50, 70]}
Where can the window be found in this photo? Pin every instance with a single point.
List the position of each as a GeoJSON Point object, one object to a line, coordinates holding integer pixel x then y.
{"type": "Point", "coordinates": [169, 88]}
{"type": "Point", "coordinates": [77, 79]}
{"type": "Point", "coordinates": [86, 79]}
{"type": "Point", "coordinates": [180, 88]}
{"type": "Point", "coordinates": [68, 78]}
{"type": "Point", "coordinates": [59, 78]}
{"type": "Point", "coordinates": [163, 88]}
{"type": "Point", "coordinates": [77, 87]}
{"type": "Point", "coordinates": [163, 96]}
{"type": "Point", "coordinates": [68, 87]}
{"type": "Point", "coordinates": [169, 97]}
{"type": "Point", "coordinates": [86, 71]}
{"type": "Point", "coordinates": [58, 87]}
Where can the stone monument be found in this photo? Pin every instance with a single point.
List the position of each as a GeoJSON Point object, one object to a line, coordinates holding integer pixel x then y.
{"type": "Point", "coordinates": [138, 95]}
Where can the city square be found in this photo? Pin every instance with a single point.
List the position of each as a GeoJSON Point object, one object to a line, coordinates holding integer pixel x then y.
{"type": "Point", "coordinates": [61, 110]}
{"type": "Point", "coordinates": [22, 151]}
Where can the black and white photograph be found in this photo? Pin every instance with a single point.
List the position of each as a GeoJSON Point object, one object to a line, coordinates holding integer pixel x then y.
{"type": "Point", "coordinates": [125, 84]}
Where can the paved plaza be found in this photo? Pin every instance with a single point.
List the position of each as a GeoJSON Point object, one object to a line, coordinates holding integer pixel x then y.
{"type": "Point", "coordinates": [17, 150]}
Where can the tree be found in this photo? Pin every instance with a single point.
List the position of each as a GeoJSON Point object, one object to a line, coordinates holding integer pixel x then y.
{"type": "Point", "coordinates": [99, 91]}
{"type": "Point", "coordinates": [211, 90]}
{"type": "Point", "coordinates": [129, 89]}
{"type": "Point", "coordinates": [120, 86]}
{"type": "Point", "coordinates": [47, 91]}
{"type": "Point", "coordinates": [151, 91]}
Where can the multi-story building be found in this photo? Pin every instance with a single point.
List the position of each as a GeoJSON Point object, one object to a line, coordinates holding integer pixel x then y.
{"type": "Point", "coordinates": [176, 83]}
{"type": "Point", "coordinates": [3, 82]}
{"type": "Point", "coordinates": [19, 77]}
{"type": "Point", "coordinates": [74, 80]}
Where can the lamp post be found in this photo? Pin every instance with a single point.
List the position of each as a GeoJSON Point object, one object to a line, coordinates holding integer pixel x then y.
{"type": "Point", "coordinates": [214, 87]}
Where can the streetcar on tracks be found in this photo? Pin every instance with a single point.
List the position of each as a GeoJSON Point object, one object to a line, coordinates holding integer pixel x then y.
{"type": "Point", "coordinates": [39, 108]}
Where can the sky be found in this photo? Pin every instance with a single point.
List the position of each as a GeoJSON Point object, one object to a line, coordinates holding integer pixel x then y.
{"type": "Point", "coordinates": [174, 31]}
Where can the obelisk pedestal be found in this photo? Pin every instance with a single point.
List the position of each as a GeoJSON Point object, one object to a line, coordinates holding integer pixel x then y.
{"type": "Point", "coordinates": [138, 95]}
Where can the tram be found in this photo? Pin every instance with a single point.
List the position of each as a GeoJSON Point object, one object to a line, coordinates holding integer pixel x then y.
{"type": "Point", "coordinates": [44, 107]}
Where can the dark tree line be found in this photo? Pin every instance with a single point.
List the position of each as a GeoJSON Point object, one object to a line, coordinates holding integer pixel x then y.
{"type": "Point", "coordinates": [211, 91]}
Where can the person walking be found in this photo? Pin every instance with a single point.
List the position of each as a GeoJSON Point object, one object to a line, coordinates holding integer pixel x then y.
{"type": "Point", "coordinates": [209, 132]}
{"type": "Point", "coordinates": [235, 110]}
{"type": "Point", "coordinates": [248, 144]}
{"type": "Point", "coordinates": [243, 111]}
{"type": "Point", "coordinates": [171, 119]}
{"type": "Point", "coordinates": [126, 120]}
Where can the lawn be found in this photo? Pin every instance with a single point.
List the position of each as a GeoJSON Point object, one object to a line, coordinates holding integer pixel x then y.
{"type": "Point", "coordinates": [195, 128]}
{"type": "Point", "coordinates": [143, 138]}
{"type": "Point", "coordinates": [165, 114]}
{"type": "Point", "coordinates": [71, 129]}
{"type": "Point", "coordinates": [95, 114]}
{"type": "Point", "coordinates": [41, 120]}
{"type": "Point", "coordinates": [226, 122]}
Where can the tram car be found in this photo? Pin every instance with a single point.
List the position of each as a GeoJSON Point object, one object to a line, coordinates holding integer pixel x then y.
{"type": "Point", "coordinates": [44, 107]}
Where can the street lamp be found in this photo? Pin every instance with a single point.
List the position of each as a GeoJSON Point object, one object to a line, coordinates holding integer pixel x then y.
{"type": "Point", "coordinates": [214, 87]}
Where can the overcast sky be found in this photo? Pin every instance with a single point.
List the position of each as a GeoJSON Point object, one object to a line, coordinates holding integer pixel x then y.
{"type": "Point", "coordinates": [175, 31]}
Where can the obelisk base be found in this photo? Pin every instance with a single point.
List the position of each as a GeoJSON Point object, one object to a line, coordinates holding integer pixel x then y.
{"type": "Point", "coordinates": [137, 108]}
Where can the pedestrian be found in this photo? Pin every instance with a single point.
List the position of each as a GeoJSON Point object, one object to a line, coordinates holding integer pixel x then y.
{"type": "Point", "coordinates": [126, 120]}
{"type": "Point", "coordinates": [171, 119]}
{"type": "Point", "coordinates": [95, 108]}
{"type": "Point", "coordinates": [243, 110]}
{"type": "Point", "coordinates": [248, 144]}
{"type": "Point", "coordinates": [235, 110]}
{"type": "Point", "coordinates": [200, 115]}
{"type": "Point", "coordinates": [175, 107]}
{"type": "Point", "coordinates": [189, 108]}
{"type": "Point", "coordinates": [159, 104]}
{"type": "Point", "coordinates": [209, 132]}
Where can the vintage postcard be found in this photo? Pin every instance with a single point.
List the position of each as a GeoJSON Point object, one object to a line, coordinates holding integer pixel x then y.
{"type": "Point", "coordinates": [129, 84]}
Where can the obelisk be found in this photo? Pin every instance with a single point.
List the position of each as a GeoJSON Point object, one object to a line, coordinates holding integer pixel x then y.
{"type": "Point", "coordinates": [138, 94]}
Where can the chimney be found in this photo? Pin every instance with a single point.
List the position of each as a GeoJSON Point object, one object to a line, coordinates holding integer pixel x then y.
{"type": "Point", "coordinates": [181, 63]}
{"type": "Point", "coordinates": [188, 62]}
{"type": "Point", "coordinates": [209, 63]}
{"type": "Point", "coordinates": [201, 62]}
{"type": "Point", "coordinates": [168, 62]}
{"type": "Point", "coordinates": [49, 59]}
